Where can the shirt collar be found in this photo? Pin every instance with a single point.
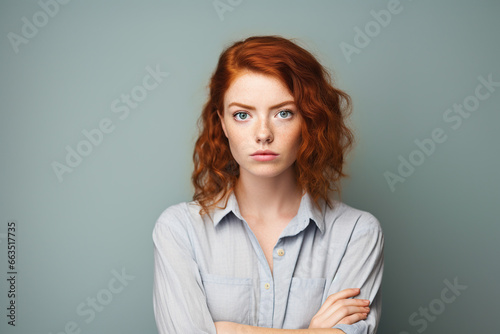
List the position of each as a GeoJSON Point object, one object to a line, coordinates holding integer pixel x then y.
{"type": "Point", "coordinates": [307, 211]}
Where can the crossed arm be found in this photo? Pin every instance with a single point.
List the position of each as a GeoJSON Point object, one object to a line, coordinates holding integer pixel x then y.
{"type": "Point", "coordinates": [337, 309]}
{"type": "Point", "coordinates": [231, 327]}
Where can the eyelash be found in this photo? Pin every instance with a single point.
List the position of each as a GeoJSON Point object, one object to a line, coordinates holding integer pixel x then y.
{"type": "Point", "coordinates": [243, 112]}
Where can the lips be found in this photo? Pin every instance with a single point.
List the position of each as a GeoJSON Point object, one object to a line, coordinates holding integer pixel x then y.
{"type": "Point", "coordinates": [264, 155]}
{"type": "Point", "coordinates": [264, 152]}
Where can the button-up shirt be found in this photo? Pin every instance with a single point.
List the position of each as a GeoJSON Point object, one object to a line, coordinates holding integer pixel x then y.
{"type": "Point", "coordinates": [211, 267]}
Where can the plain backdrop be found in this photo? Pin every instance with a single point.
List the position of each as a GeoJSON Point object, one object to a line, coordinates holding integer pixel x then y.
{"type": "Point", "coordinates": [425, 163]}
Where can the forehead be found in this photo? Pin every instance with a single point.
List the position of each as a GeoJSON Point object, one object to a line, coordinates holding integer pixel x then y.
{"type": "Point", "coordinates": [257, 89]}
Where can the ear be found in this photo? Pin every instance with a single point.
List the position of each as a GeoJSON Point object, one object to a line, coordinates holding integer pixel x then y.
{"type": "Point", "coordinates": [221, 118]}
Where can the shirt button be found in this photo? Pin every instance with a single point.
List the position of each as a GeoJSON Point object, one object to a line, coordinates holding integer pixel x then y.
{"type": "Point", "coordinates": [281, 252]}
{"type": "Point", "coordinates": [267, 286]}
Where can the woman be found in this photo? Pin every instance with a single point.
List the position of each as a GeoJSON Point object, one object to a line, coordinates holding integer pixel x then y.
{"type": "Point", "coordinates": [263, 247]}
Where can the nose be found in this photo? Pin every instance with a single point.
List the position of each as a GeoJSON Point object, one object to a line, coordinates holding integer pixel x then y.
{"type": "Point", "coordinates": [264, 132]}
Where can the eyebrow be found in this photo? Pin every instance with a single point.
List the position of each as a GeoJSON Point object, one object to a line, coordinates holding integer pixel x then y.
{"type": "Point", "coordinates": [253, 108]}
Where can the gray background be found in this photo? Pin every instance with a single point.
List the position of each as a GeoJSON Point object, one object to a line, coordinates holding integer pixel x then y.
{"type": "Point", "coordinates": [440, 224]}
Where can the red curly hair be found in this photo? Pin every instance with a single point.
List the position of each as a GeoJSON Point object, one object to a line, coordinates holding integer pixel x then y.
{"type": "Point", "coordinates": [324, 108]}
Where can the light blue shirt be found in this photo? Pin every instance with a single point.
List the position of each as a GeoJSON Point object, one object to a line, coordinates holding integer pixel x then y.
{"type": "Point", "coordinates": [211, 268]}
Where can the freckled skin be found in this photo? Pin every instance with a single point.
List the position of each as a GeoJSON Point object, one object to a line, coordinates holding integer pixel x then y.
{"type": "Point", "coordinates": [261, 127]}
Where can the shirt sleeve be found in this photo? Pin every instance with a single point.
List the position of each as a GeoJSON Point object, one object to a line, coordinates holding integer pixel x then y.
{"type": "Point", "coordinates": [362, 267]}
{"type": "Point", "coordinates": [179, 299]}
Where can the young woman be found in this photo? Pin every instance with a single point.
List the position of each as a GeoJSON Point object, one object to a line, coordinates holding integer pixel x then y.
{"type": "Point", "coordinates": [263, 247]}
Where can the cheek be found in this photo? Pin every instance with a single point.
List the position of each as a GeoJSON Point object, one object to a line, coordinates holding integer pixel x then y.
{"type": "Point", "coordinates": [294, 138]}
{"type": "Point", "coordinates": [237, 142]}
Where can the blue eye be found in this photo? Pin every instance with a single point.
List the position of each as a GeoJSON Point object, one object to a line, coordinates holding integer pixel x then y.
{"type": "Point", "coordinates": [242, 115]}
{"type": "Point", "coordinates": [285, 113]}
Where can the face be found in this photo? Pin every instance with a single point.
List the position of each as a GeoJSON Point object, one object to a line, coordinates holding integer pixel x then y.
{"type": "Point", "coordinates": [262, 124]}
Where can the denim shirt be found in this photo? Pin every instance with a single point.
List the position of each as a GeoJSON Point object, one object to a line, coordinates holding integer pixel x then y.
{"type": "Point", "coordinates": [211, 268]}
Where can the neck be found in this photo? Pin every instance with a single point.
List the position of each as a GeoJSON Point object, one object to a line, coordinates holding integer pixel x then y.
{"type": "Point", "coordinates": [264, 199]}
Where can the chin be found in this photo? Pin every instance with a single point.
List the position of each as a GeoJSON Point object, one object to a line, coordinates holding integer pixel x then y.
{"type": "Point", "coordinates": [267, 172]}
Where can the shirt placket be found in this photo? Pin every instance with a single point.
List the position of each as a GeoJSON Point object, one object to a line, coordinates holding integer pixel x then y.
{"type": "Point", "coordinates": [285, 255]}
{"type": "Point", "coordinates": [274, 291]}
{"type": "Point", "coordinates": [266, 283]}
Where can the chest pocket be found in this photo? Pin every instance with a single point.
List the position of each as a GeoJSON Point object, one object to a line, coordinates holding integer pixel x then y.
{"type": "Point", "coordinates": [229, 298]}
{"type": "Point", "coordinates": [304, 301]}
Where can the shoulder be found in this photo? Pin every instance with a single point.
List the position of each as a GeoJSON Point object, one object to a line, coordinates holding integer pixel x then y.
{"type": "Point", "coordinates": [172, 214]}
{"type": "Point", "coordinates": [344, 216]}
{"type": "Point", "coordinates": [174, 218]}
{"type": "Point", "coordinates": [182, 215]}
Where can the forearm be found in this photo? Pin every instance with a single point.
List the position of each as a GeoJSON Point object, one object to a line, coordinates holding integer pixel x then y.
{"type": "Point", "coordinates": [245, 329]}
{"type": "Point", "coordinates": [225, 327]}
